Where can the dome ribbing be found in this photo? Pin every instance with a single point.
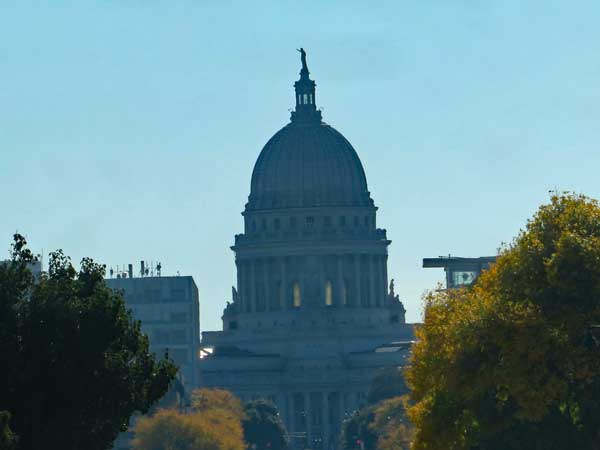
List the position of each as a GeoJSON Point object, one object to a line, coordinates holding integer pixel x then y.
{"type": "Point", "coordinates": [308, 165]}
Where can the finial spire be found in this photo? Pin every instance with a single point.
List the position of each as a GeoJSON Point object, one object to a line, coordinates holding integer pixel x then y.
{"type": "Point", "coordinates": [306, 109]}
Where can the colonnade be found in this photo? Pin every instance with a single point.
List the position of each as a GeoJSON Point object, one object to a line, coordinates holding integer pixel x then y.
{"type": "Point", "coordinates": [315, 418]}
{"type": "Point", "coordinates": [267, 283]}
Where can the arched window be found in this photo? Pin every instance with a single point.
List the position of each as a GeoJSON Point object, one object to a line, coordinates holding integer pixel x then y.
{"type": "Point", "coordinates": [297, 296]}
{"type": "Point", "coordinates": [305, 99]}
{"type": "Point", "coordinates": [328, 293]}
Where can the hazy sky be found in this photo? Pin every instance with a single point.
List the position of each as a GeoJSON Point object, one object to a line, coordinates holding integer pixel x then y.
{"type": "Point", "coordinates": [129, 129]}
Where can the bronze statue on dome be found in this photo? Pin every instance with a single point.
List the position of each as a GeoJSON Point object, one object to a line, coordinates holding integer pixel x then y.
{"type": "Point", "coordinates": [303, 58]}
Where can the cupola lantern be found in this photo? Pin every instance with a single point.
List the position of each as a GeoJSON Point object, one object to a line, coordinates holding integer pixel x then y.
{"type": "Point", "coordinates": [306, 109]}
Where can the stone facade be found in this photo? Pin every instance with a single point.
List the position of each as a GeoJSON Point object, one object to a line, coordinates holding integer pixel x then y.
{"type": "Point", "coordinates": [311, 320]}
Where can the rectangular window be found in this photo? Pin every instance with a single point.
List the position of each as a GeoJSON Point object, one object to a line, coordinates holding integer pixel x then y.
{"type": "Point", "coordinates": [179, 317]}
{"type": "Point", "coordinates": [293, 222]}
{"type": "Point", "coordinates": [177, 295]}
{"type": "Point", "coordinates": [179, 337]}
{"type": "Point", "coordinates": [327, 221]}
{"type": "Point", "coordinates": [159, 337]}
{"type": "Point", "coordinates": [277, 224]}
{"type": "Point", "coordinates": [310, 221]}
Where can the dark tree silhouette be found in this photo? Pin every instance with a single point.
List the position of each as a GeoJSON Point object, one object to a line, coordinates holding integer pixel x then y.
{"type": "Point", "coordinates": [263, 428]}
{"type": "Point", "coordinates": [75, 365]}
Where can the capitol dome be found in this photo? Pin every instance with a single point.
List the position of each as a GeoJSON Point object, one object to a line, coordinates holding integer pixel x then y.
{"type": "Point", "coordinates": [307, 163]}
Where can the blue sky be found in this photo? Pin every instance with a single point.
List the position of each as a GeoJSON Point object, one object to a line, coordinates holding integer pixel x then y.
{"type": "Point", "coordinates": [129, 129]}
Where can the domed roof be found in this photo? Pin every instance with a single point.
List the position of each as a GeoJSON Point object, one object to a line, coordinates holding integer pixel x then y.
{"type": "Point", "coordinates": [308, 165]}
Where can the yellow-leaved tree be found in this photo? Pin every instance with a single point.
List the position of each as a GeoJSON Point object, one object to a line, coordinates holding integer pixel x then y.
{"type": "Point", "coordinates": [390, 424]}
{"type": "Point", "coordinates": [213, 424]}
{"type": "Point", "coordinates": [513, 363]}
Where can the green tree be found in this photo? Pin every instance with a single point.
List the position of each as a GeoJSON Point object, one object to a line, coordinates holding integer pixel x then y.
{"type": "Point", "coordinates": [75, 365]}
{"type": "Point", "coordinates": [508, 363]}
{"type": "Point", "coordinates": [263, 427]}
{"type": "Point", "coordinates": [357, 433]}
{"type": "Point", "coordinates": [382, 422]}
{"type": "Point", "coordinates": [8, 441]}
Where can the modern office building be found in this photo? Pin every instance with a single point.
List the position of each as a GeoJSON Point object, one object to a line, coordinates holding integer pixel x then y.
{"type": "Point", "coordinates": [168, 309]}
{"type": "Point", "coordinates": [460, 272]}
{"type": "Point", "coordinates": [311, 319]}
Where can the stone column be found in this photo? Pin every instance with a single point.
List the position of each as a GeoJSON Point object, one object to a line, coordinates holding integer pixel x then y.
{"type": "Point", "coordinates": [326, 424]}
{"type": "Point", "coordinates": [372, 281]}
{"type": "Point", "coordinates": [339, 288]}
{"type": "Point", "coordinates": [284, 303]}
{"type": "Point", "coordinates": [301, 271]}
{"type": "Point", "coordinates": [288, 412]}
{"type": "Point", "coordinates": [322, 281]}
{"type": "Point", "coordinates": [267, 287]}
{"type": "Point", "coordinates": [385, 276]}
{"type": "Point", "coordinates": [308, 415]}
{"type": "Point", "coordinates": [382, 282]}
{"type": "Point", "coordinates": [252, 286]}
{"type": "Point", "coordinates": [357, 298]}
{"type": "Point", "coordinates": [238, 286]}
{"type": "Point", "coordinates": [247, 298]}
{"type": "Point", "coordinates": [291, 422]}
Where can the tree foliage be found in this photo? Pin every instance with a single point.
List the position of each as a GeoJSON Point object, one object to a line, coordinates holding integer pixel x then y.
{"type": "Point", "coordinates": [8, 440]}
{"type": "Point", "coordinates": [263, 428]}
{"type": "Point", "coordinates": [75, 365]}
{"type": "Point", "coordinates": [391, 425]}
{"type": "Point", "coordinates": [357, 433]}
{"type": "Point", "coordinates": [507, 364]}
{"type": "Point", "coordinates": [169, 429]}
{"type": "Point", "coordinates": [212, 399]}
{"type": "Point", "coordinates": [382, 423]}
{"type": "Point", "coordinates": [388, 383]}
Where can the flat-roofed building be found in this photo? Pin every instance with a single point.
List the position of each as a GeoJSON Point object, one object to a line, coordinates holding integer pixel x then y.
{"type": "Point", "coordinates": [460, 272]}
{"type": "Point", "coordinates": [168, 309]}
